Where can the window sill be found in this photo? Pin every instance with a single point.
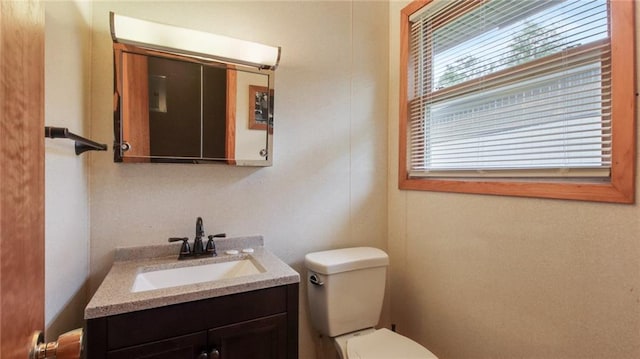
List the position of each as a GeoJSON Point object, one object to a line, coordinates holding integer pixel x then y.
{"type": "Point", "coordinates": [583, 191]}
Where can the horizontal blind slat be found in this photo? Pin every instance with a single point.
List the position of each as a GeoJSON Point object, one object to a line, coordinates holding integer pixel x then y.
{"type": "Point", "coordinates": [538, 172]}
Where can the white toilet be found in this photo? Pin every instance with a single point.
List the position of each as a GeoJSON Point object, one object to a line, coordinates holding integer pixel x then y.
{"type": "Point", "coordinates": [346, 290]}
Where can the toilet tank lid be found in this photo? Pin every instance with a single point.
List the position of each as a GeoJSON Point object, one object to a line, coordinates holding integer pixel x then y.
{"type": "Point", "coordinates": [346, 259]}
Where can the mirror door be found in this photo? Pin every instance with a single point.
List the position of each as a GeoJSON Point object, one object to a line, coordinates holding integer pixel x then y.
{"type": "Point", "coordinates": [177, 109]}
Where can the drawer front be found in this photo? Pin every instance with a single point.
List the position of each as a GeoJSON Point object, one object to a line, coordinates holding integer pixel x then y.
{"type": "Point", "coordinates": [180, 319]}
{"type": "Point", "coordinates": [183, 347]}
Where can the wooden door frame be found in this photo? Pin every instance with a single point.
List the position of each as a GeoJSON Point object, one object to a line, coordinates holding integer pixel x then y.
{"type": "Point", "coordinates": [21, 175]}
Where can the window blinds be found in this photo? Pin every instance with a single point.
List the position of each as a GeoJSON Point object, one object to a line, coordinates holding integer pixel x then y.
{"type": "Point", "coordinates": [510, 88]}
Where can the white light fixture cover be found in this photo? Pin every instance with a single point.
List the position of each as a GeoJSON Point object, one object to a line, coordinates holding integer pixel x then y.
{"type": "Point", "coordinates": [132, 31]}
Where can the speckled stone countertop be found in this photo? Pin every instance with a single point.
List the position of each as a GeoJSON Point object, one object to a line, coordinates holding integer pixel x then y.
{"type": "Point", "coordinates": [114, 295]}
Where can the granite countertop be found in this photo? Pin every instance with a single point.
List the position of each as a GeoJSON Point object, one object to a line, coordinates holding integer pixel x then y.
{"type": "Point", "coordinates": [114, 295]}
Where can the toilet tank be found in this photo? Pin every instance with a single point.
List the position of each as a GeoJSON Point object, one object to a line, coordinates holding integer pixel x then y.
{"type": "Point", "coordinates": [345, 288]}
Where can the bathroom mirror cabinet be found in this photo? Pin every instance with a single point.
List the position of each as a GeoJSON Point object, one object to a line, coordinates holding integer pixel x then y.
{"type": "Point", "coordinates": [170, 107]}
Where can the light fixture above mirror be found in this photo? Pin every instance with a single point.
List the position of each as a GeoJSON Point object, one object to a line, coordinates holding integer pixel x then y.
{"type": "Point", "coordinates": [200, 44]}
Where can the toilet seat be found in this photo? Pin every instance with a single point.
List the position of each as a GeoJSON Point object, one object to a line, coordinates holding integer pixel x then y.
{"type": "Point", "coordinates": [385, 344]}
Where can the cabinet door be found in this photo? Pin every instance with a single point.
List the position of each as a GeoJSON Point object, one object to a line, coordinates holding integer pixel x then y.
{"type": "Point", "coordinates": [183, 347]}
{"type": "Point", "coordinates": [264, 338]}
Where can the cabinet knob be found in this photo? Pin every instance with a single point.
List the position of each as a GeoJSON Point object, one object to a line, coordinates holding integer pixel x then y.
{"type": "Point", "coordinates": [202, 355]}
{"type": "Point", "coordinates": [214, 354]}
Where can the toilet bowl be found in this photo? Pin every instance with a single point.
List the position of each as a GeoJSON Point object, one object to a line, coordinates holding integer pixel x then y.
{"type": "Point", "coordinates": [345, 290]}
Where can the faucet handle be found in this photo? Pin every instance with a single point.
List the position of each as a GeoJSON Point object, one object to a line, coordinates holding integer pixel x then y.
{"type": "Point", "coordinates": [211, 246]}
{"type": "Point", "coordinates": [185, 249]}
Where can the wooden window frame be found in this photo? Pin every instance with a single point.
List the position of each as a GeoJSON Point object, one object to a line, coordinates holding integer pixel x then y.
{"type": "Point", "coordinates": [621, 186]}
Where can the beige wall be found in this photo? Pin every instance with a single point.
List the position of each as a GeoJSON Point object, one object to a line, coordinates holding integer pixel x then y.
{"type": "Point", "coordinates": [327, 186]}
{"type": "Point", "coordinates": [497, 277]}
{"type": "Point", "coordinates": [67, 100]}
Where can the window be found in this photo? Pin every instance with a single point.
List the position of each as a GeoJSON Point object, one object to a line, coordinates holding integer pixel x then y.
{"type": "Point", "coordinates": [526, 98]}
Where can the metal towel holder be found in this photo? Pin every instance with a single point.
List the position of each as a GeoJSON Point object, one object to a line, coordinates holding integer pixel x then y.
{"type": "Point", "coordinates": [82, 144]}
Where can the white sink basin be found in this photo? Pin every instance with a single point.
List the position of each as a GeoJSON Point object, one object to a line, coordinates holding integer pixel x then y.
{"type": "Point", "coordinates": [173, 277]}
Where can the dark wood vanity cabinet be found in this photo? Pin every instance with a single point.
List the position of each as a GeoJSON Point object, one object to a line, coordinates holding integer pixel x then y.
{"type": "Point", "coordinates": [260, 324]}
